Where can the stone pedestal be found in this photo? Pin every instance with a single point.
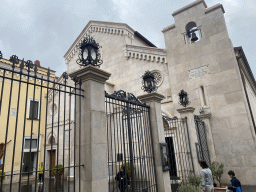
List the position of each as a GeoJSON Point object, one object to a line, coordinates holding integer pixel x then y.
{"type": "Point", "coordinates": [188, 113]}
{"type": "Point", "coordinates": [93, 134]}
{"type": "Point", "coordinates": [154, 101]}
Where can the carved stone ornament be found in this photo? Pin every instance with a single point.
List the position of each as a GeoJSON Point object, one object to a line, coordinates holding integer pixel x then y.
{"type": "Point", "coordinates": [158, 77]}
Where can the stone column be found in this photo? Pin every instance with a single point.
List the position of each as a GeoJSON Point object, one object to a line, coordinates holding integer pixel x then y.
{"type": "Point", "coordinates": [188, 113]}
{"type": "Point", "coordinates": [154, 101]}
{"type": "Point", "coordinates": [208, 131]}
{"type": "Point", "coordinates": [94, 173]}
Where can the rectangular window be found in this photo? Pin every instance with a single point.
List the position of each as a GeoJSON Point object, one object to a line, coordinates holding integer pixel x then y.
{"type": "Point", "coordinates": [33, 109]}
{"type": "Point", "coordinates": [33, 142]}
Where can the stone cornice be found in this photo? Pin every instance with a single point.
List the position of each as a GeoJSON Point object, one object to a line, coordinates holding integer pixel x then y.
{"type": "Point", "coordinates": [213, 8]}
{"type": "Point", "coordinates": [99, 27]}
{"type": "Point", "coordinates": [188, 7]}
{"type": "Point", "coordinates": [151, 97]}
{"type": "Point", "coordinates": [56, 123]}
{"type": "Point", "coordinates": [91, 73]}
{"type": "Point", "coordinates": [152, 54]}
{"type": "Point", "coordinates": [245, 67]}
{"type": "Point", "coordinates": [205, 116]}
{"type": "Point", "coordinates": [168, 28]}
{"type": "Point", "coordinates": [186, 110]}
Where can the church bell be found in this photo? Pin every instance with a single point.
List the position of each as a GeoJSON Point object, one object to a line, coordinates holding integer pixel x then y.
{"type": "Point", "coordinates": [194, 37]}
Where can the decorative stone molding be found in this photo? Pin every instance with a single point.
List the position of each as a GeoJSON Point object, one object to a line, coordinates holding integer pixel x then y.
{"type": "Point", "coordinates": [152, 54]}
{"type": "Point", "coordinates": [151, 97]}
{"type": "Point", "coordinates": [109, 28]}
{"type": "Point", "coordinates": [168, 28]}
{"type": "Point", "coordinates": [205, 116]}
{"type": "Point", "coordinates": [91, 73]}
{"type": "Point", "coordinates": [55, 124]}
{"type": "Point", "coordinates": [159, 78]}
{"type": "Point", "coordinates": [189, 6]}
{"type": "Point", "coordinates": [186, 110]}
{"type": "Point", "coordinates": [213, 8]}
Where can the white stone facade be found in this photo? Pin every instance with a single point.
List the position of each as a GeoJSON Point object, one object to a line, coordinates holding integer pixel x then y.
{"type": "Point", "coordinates": [206, 69]}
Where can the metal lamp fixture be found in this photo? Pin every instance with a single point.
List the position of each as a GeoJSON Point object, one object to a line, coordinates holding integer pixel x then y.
{"type": "Point", "coordinates": [89, 53]}
{"type": "Point", "coordinates": [183, 98]}
{"type": "Point", "coordinates": [148, 82]}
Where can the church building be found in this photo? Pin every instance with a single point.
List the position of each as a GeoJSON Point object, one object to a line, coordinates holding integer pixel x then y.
{"type": "Point", "coordinates": [198, 58]}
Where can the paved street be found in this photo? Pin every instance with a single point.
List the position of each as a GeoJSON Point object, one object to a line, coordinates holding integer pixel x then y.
{"type": "Point", "coordinates": [68, 187]}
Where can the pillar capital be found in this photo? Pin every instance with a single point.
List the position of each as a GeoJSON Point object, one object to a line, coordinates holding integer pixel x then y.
{"type": "Point", "coordinates": [151, 97]}
{"type": "Point", "coordinates": [205, 116]}
{"type": "Point", "coordinates": [186, 110]}
{"type": "Point", "coordinates": [91, 73]}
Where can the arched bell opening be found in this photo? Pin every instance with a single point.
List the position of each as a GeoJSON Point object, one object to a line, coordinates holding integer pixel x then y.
{"type": "Point", "coordinates": [192, 32]}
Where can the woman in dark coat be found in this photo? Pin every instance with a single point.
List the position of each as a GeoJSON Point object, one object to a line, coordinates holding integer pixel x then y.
{"type": "Point", "coordinates": [123, 179]}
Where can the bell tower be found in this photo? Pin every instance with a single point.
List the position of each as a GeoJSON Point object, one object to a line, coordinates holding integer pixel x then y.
{"type": "Point", "coordinates": [201, 60]}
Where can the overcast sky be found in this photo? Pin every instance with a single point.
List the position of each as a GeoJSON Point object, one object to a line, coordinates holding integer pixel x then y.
{"type": "Point", "coordinates": [44, 29]}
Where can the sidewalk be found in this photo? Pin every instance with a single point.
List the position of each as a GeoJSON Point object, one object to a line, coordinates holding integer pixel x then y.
{"type": "Point", "coordinates": [249, 188]}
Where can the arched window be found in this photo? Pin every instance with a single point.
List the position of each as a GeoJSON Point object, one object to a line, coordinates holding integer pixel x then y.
{"type": "Point", "coordinates": [192, 31]}
{"type": "Point", "coordinates": [51, 140]}
{"type": "Point", "coordinates": [203, 96]}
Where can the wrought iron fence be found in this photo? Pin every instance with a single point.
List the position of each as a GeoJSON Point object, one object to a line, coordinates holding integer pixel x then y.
{"type": "Point", "coordinates": [38, 114]}
{"type": "Point", "coordinates": [201, 146]}
{"type": "Point", "coordinates": [129, 144]}
{"type": "Point", "coordinates": [178, 144]}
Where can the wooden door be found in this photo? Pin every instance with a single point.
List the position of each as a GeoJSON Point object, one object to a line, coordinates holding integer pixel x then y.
{"type": "Point", "coordinates": [52, 160]}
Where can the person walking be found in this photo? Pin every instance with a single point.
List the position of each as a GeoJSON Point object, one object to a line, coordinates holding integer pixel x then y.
{"type": "Point", "coordinates": [123, 178]}
{"type": "Point", "coordinates": [206, 177]}
{"type": "Point", "coordinates": [41, 173]}
{"type": "Point", "coordinates": [236, 185]}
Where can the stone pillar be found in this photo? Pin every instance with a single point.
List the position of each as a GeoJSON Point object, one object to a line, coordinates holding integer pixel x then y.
{"type": "Point", "coordinates": [188, 113]}
{"type": "Point", "coordinates": [208, 131]}
{"type": "Point", "coordinates": [94, 173]}
{"type": "Point", "coordinates": [154, 101]}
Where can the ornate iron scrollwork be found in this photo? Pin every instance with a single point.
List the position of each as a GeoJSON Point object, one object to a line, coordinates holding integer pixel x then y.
{"type": "Point", "coordinates": [15, 60]}
{"type": "Point", "coordinates": [89, 53]}
{"type": "Point", "coordinates": [183, 98]}
{"type": "Point", "coordinates": [122, 95]}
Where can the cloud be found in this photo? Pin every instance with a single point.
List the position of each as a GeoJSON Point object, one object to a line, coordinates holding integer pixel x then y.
{"type": "Point", "coordinates": [44, 30]}
{"type": "Point", "coordinates": [127, 9]}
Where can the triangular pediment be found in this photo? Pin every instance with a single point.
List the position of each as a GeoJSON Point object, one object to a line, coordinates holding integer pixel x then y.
{"type": "Point", "coordinates": [102, 27]}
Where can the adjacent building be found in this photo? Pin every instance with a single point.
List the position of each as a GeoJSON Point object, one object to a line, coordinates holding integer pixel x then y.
{"type": "Point", "coordinates": [23, 118]}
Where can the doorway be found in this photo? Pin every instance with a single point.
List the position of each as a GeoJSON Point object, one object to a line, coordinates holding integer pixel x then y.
{"type": "Point", "coordinates": [51, 154]}
{"type": "Point", "coordinates": [172, 159]}
{"type": "Point", "coordinates": [29, 160]}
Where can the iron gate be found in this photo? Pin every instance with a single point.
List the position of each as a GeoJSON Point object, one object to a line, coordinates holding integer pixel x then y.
{"type": "Point", "coordinates": [38, 125]}
{"type": "Point", "coordinates": [178, 144]}
{"type": "Point", "coordinates": [201, 146]}
{"type": "Point", "coordinates": [129, 143]}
